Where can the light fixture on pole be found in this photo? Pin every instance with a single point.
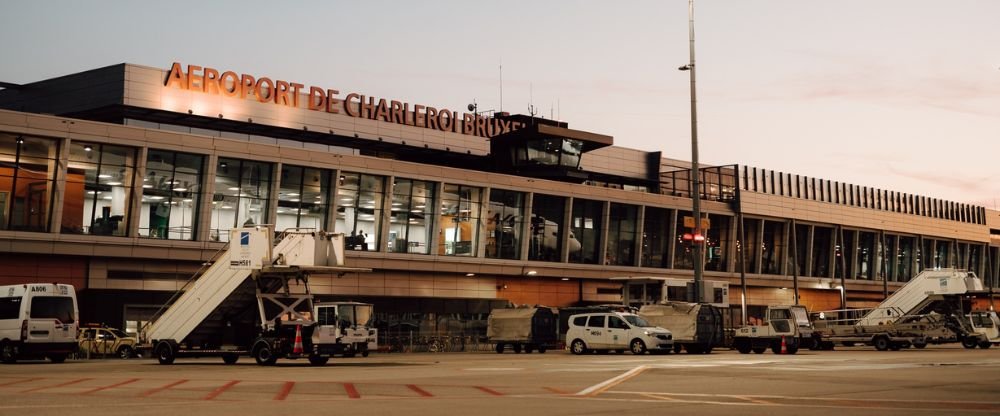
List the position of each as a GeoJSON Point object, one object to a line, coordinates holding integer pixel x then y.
{"type": "Point", "coordinates": [696, 246]}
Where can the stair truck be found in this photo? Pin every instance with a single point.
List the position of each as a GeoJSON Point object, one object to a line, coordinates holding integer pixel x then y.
{"type": "Point", "coordinates": [255, 300]}
{"type": "Point", "coordinates": [785, 330]}
{"type": "Point", "coordinates": [527, 328]}
{"type": "Point", "coordinates": [928, 309]}
{"type": "Point", "coordinates": [696, 327]}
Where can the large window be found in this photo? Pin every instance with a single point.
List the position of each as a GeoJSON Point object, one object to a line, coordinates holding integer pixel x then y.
{"type": "Point", "coordinates": [170, 194]}
{"type": "Point", "coordinates": [621, 235]}
{"type": "Point", "coordinates": [547, 227]}
{"type": "Point", "coordinates": [717, 242]}
{"type": "Point", "coordinates": [905, 258]}
{"type": "Point", "coordinates": [655, 237]}
{"type": "Point", "coordinates": [459, 230]}
{"type": "Point", "coordinates": [27, 171]}
{"type": "Point", "coordinates": [822, 242]}
{"type": "Point", "coordinates": [752, 244]}
{"type": "Point", "coordinates": [359, 210]}
{"type": "Point", "coordinates": [412, 216]}
{"type": "Point", "coordinates": [586, 226]}
{"type": "Point", "coordinates": [845, 252]}
{"type": "Point", "coordinates": [801, 249]}
{"type": "Point", "coordinates": [504, 224]}
{"type": "Point", "coordinates": [683, 253]}
{"type": "Point", "coordinates": [241, 194]}
{"type": "Point", "coordinates": [772, 248]}
{"type": "Point", "coordinates": [98, 189]}
{"type": "Point", "coordinates": [867, 256]}
{"type": "Point", "coordinates": [303, 199]}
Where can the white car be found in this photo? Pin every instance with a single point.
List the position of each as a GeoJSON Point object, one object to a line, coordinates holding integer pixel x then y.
{"type": "Point", "coordinates": [615, 331]}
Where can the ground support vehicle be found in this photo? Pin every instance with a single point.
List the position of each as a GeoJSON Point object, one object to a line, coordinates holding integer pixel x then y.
{"type": "Point", "coordinates": [100, 341]}
{"type": "Point", "coordinates": [780, 332]}
{"type": "Point", "coordinates": [255, 300]}
{"type": "Point", "coordinates": [987, 325]}
{"type": "Point", "coordinates": [345, 328]}
{"type": "Point", "coordinates": [38, 320]}
{"type": "Point", "coordinates": [906, 331]}
{"type": "Point", "coordinates": [616, 331]}
{"type": "Point", "coordinates": [527, 328]}
{"type": "Point", "coordinates": [696, 327]}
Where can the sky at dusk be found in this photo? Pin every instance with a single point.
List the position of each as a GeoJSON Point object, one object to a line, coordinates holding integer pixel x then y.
{"type": "Point", "coordinates": [894, 94]}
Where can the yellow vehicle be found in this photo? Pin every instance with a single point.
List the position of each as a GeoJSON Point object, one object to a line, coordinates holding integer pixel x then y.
{"type": "Point", "coordinates": [99, 341]}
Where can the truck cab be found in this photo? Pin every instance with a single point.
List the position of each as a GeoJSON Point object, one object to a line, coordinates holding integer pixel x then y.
{"type": "Point", "coordinates": [345, 328]}
{"type": "Point", "coordinates": [987, 325]}
{"type": "Point", "coordinates": [783, 329]}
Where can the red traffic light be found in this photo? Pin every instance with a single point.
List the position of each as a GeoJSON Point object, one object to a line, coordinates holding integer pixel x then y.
{"type": "Point", "coordinates": [687, 237]}
{"type": "Point", "coordinates": [697, 238]}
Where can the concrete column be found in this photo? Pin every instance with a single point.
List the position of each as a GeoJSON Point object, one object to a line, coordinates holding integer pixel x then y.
{"type": "Point", "coordinates": [332, 202]}
{"type": "Point", "coordinates": [433, 223]}
{"type": "Point", "coordinates": [602, 253]}
{"type": "Point", "coordinates": [271, 213]}
{"type": "Point", "coordinates": [381, 240]}
{"type": "Point", "coordinates": [640, 227]}
{"type": "Point", "coordinates": [203, 226]}
{"type": "Point", "coordinates": [135, 210]}
{"type": "Point", "coordinates": [529, 199]}
{"type": "Point", "coordinates": [59, 166]}
{"type": "Point", "coordinates": [566, 225]}
{"type": "Point", "coordinates": [481, 236]}
{"type": "Point", "coordinates": [671, 237]}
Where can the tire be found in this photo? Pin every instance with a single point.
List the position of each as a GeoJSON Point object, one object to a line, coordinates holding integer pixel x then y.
{"type": "Point", "coordinates": [541, 349]}
{"type": "Point", "coordinates": [970, 342]}
{"type": "Point", "coordinates": [264, 355]}
{"type": "Point", "coordinates": [759, 350]}
{"type": "Point", "coordinates": [317, 360]}
{"type": "Point", "coordinates": [8, 354]}
{"type": "Point", "coordinates": [517, 348]}
{"type": "Point", "coordinates": [230, 358]}
{"type": "Point", "coordinates": [984, 344]}
{"type": "Point", "coordinates": [165, 353]}
{"type": "Point", "coordinates": [364, 353]}
{"type": "Point", "coordinates": [792, 350]}
{"type": "Point", "coordinates": [920, 343]}
{"type": "Point", "coordinates": [57, 358]}
{"type": "Point", "coordinates": [881, 343]}
{"type": "Point", "coordinates": [578, 347]}
{"type": "Point", "coordinates": [637, 346]}
{"type": "Point", "coordinates": [743, 346]}
{"type": "Point", "coordinates": [125, 352]}
{"type": "Point", "coordinates": [500, 347]}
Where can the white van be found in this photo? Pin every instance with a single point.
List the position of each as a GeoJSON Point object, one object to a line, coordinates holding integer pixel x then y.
{"type": "Point", "coordinates": [38, 320]}
{"type": "Point", "coordinates": [617, 331]}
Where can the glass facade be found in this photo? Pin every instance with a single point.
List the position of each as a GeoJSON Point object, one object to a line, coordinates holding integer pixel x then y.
{"type": "Point", "coordinates": [822, 246]}
{"type": "Point", "coordinates": [905, 258]}
{"type": "Point", "coordinates": [586, 226]}
{"type": "Point", "coordinates": [27, 172]}
{"type": "Point", "coordinates": [170, 194]}
{"type": "Point", "coordinates": [547, 227]}
{"type": "Point", "coordinates": [505, 224]}
{"type": "Point", "coordinates": [241, 195]}
{"type": "Point", "coordinates": [461, 207]}
{"type": "Point", "coordinates": [801, 249]}
{"type": "Point", "coordinates": [772, 248]}
{"type": "Point", "coordinates": [867, 254]}
{"type": "Point", "coordinates": [414, 204]}
{"type": "Point", "coordinates": [656, 237]}
{"type": "Point", "coordinates": [622, 228]}
{"type": "Point", "coordinates": [752, 230]}
{"type": "Point", "coordinates": [683, 254]}
{"type": "Point", "coordinates": [845, 253]}
{"type": "Point", "coordinates": [359, 211]}
{"type": "Point", "coordinates": [99, 185]}
{"type": "Point", "coordinates": [717, 238]}
{"type": "Point", "coordinates": [303, 198]}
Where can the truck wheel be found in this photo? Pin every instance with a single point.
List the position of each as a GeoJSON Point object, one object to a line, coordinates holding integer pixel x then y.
{"type": "Point", "coordinates": [364, 353]}
{"type": "Point", "coordinates": [264, 355]}
{"type": "Point", "coordinates": [165, 353]}
{"type": "Point", "coordinates": [318, 360]}
{"type": "Point", "coordinates": [919, 343]}
{"type": "Point", "coordinates": [500, 347]}
{"type": "Point", "coordinates": [578, 347]}
{"type": "Point", "coordinates": [230, 358]}
{"type": "Point", "coordinates": [759, 350]}
{"type": "Point", "coordinates": [969, 342]}
{"type": "Point", "coordinates": [741, 345]}
{"type": "Point", "coordinates": [881, 343]}
{"type": "Point", "coordinates": [637, 346]}
{"type": "Point", "coordinates": [8, 354]}
{"type": "Point", "coordinates": [125, 352]}
{"type": "Point", "coordinates": [541, 349]}
{"type": "Point", "coordinates": [984, 344]}
{"type": "Point", "coordinates": [517, 348]}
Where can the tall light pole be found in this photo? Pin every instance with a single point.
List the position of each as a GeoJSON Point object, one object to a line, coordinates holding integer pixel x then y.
{"type": "Point", "coordinates": [696, 242]}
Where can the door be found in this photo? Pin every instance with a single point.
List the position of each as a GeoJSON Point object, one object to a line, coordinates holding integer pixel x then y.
{"type": "Point", "coordinates": [617, 333]}
{"type": "Point", "coordinates": [595, 332]}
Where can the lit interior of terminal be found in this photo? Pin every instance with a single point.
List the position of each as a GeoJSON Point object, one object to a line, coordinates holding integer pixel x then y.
{"type": "Point", "coordinates": [125, 180]}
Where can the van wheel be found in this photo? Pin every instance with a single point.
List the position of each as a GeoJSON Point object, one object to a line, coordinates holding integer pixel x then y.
{"type": "Point", "coordinates": [165, 353]}
{"type": "Point", "coordinates": [125, 352]}
{"type": "Point", "coordinates": [578, 347]}
{"type": "Point", "coordinates": [8, 354]}
{"type": "Point", "coordinates": [743, 346]}
{"type": "Point", "coordinates": [57, 358]}
{"type": "Point", "coordinates": [969, 342]}
{"type": "Point", "coordinates": [638, 347]}
{"type": "Point", "coordinates": [231, 358]}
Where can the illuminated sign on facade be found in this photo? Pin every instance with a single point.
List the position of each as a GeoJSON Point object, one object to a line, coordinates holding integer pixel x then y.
{"type": "Point", "coordinates": [292, 94]}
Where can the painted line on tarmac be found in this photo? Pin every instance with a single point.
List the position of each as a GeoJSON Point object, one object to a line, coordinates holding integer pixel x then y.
{"type": "Point", "coordinates": [492, 369]}
{"type": "Point", "coordinates": [607, 384]}
{"type": "Point", "coordinates": [822, 402]}
{"type": "Point", "coordinates": [221, 389]}
{"type": "Point", "coordinates": [23, 380]}
{"type": "Point", "coordinates": [129, 381]}
{"type": "Point", "coordinates": [352, 392]}
{"type": "Point", "coordinates": [285, 390]}
{"type": "Point", "coordinates": [79, 380]}
{"type": "Point", "coordinates": [488, 390]}
{"type": "Point", "coordinates": [555, 390]}
{"type": "Point", "coordinates": [420, 391]}
{"type": "Point", "coordinates": [148, 393]}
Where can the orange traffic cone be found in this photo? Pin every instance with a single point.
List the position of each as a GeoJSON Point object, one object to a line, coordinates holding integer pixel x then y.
{"type": "Point", "coordinates": [784, 347]}
{"type": "Point", "coordinates": [297, 347]}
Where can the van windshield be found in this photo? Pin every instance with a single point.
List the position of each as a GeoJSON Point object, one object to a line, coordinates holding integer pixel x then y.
{"type": "Point", "coordinates": [635, 320]}
{"type": "Point", "coordinates": [53, 307]}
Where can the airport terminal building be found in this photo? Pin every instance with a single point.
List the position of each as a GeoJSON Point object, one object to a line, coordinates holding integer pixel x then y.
{"type": "Point", "coordinates": [125, 180]}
